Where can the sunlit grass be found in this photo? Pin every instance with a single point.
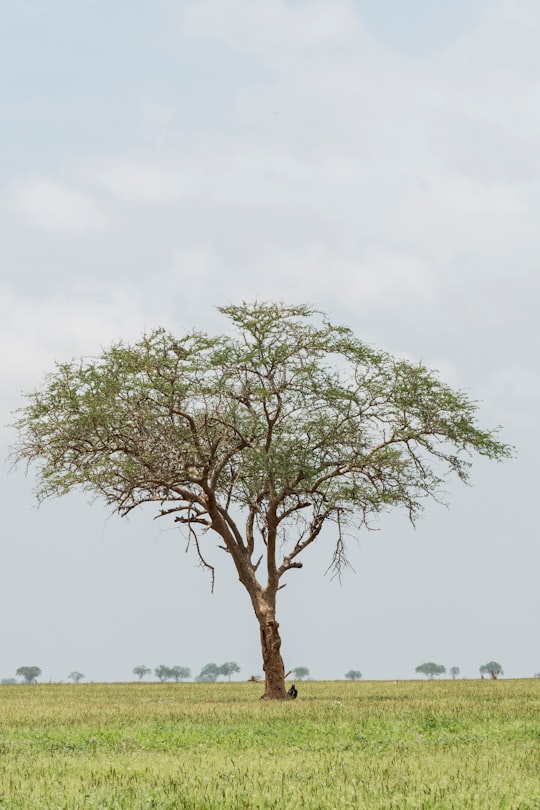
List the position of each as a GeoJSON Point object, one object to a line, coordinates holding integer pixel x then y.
{"type": "Point", "coordinates": [462, 744]}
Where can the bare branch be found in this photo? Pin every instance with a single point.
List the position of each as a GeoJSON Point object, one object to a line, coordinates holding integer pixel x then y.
{"type": "Point", "coordinates": [339, 558]}
{"type": "Point", "coordinates": [301, 544]}
{"type": "Point", "coordinates": [203, 562]}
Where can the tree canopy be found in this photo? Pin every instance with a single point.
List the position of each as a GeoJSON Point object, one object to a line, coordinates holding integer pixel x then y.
{"type": "Point", "coordinates": [300, 673]}
{"type": "Point", "coordinates": [431, 670]}
{"type": "Point", "coordinates": [179, 673]}
{"type": "Point", "coordinates": [353, 675]}
{"type": "Point", "coordinates": [229, 668]}
{"type": "Point", "coordinates": [209, 673]}
{"type": "Point", "coordinates": [30, 674]}
{"type": "Point", "coordinates": [141, 671]}
{"type": "Point", "coordinates": [163, 673]}
{"type": "Point", "coordinates": [263, 436]}
{"type": "Point", "coordinates": [492, 668]}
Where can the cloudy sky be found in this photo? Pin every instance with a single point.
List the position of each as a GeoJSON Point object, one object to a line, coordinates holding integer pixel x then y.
{"type": "Point", "coordinates": [379, 160]}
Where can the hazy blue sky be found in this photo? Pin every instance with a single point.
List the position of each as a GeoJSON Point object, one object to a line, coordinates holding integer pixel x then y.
{"type": "Point", "coordinates": [380, 160]}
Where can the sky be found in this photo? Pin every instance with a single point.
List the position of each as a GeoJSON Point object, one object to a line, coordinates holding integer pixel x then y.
{"type": "Point", "coordinates": [377, 160]}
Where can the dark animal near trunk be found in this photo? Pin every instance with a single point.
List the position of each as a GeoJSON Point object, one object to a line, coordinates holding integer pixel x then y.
{"type": "Point", "coordinates": [293, 692]}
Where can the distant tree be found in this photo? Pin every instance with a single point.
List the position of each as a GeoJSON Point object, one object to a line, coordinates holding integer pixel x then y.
{"type": "Point", "coordinates": [209, 673]}
{"type": "Point", "coordinates": [6, 681]}
{"type": "Point", "coordinates": [454, 672]}
{"type": "Point", "coordinates": [258, 438]}
{"type": "Point", "coordinates": [179, 673]}
{"type": "Point", "coordinates": [431, 670]}
{"type": "Point", "coordinates": [353, 675]}
{"type": "Point", "coordinates": [228, 669]}
{"type": "Point", "coordinates": [300, 673]}
{"type": "Point", "coordinates": [30, 674]}
{"type": "Point", "coordinates": [537, 674]}
{"type": "Point", "coordinates": [141, 671]}
{"type": "Point", "coordinates": [76, 677]}
{"type": "Point", "coordinates": [163, 673]}
{"type": "Point", "coordinates": [493, 669]}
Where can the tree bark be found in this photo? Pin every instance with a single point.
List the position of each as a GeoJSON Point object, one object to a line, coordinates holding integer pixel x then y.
{"type": "Point", "coordinates": [274, 669]}
{"type": "Point", "coordinates": [263, 600]}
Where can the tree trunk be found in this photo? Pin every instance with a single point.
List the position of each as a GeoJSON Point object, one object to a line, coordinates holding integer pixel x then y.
{"type": "Point", "coordinates": [263, 601]}
{"type": "Point", "coordinates": [272, 661]}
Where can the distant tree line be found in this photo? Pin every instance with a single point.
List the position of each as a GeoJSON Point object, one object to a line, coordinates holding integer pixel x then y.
{"type": "Point", "coordinates": [164, 673]}
{"type": "Point", "coordinates": [209, 673]}
{"type": "Point", "coordinates": [432, 670]}
{"type": "Point", "coordinates": [31, 674]}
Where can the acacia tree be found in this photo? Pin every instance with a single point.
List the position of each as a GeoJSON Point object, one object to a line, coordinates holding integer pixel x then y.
{"type": "Point", "coordinates": [30, 674]}
{"type": "Point", "coordinates": [353, 675]}
{"type": "Point", "coordinates": [493, 669]}
{"type": "Point", "coordinates": [163, 673]}
{"type": "Point", "coordinates": [300, 673]}
{"type": "Point", "coordinates": [263, 436]}
{"type": "Point", "coordinates": [431, 670]}
{"type": "Point", "coordinates": [229, 668]}
{"type": "Point", "coordinates": [209, 673]}
{"type": "Point", "coordinates": [180, 673]}
{"type": "Point", "coordinates": [141, 671]}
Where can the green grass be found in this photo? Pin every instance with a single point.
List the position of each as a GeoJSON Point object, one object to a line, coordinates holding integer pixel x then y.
{"type": "Point", "coordinates": [443, 745]}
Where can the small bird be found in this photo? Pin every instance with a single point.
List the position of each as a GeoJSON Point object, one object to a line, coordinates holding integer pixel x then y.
{"type": "Point", "coordinates": [293, 692]}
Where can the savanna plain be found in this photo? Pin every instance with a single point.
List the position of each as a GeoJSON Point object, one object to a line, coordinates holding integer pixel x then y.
{"type": "Point", "coordinates": [373, 745]}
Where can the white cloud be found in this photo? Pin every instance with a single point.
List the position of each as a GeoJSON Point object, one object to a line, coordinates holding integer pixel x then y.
{"type": "Point", "coordinates": [447, 215]}
{"type": "Point", "coordinates": [198, 266]}
{"type": "Point", "coordinates": [139, 182]}
{"type": "Point", "coordinates": [271, 24]}
{"type": "Point", "coordinates": [358, 193]}
{"type": "Point", "coordinates": [376, 279]}
{"type": "Point", "coordinates": [513, 393]}
{"type": "Point", "coordinates": [52, 206]}
{"type": "Point", "coordinates": [226, 172]}
{"type": "Point", "coordinates": [62, 326]}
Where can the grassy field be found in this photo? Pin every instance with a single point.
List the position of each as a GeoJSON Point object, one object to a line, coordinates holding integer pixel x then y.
{"type": "Point", "coordinates": [379, 746]}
